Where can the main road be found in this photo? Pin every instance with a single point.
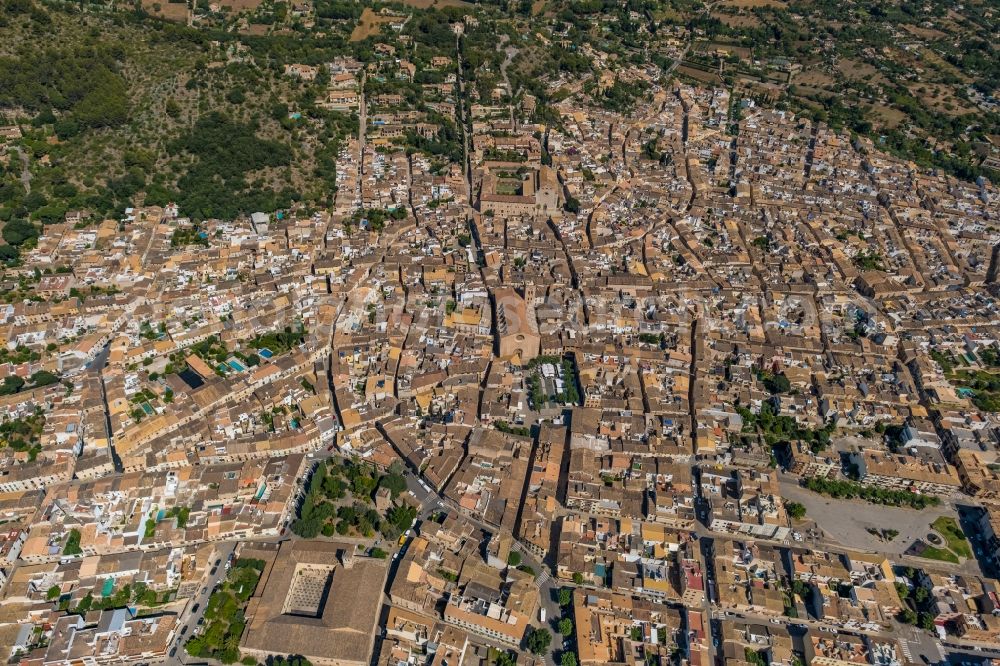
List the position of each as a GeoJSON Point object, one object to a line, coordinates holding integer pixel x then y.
{"type": "Point", "coordinates": [194, 610]}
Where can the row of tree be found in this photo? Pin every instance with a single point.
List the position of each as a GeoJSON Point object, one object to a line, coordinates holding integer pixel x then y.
{"type": "Point", "coordinates": [839, 489]}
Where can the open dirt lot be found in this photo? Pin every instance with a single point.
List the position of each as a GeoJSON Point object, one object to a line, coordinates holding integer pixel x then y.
{"type": "Point", "coordinates": [171, 11]}
{"type": "Point", "coordinates": [369, 24]}
{"type": "Point", "coordinates": [256, 29]}
{"type": "Point", "coordinates": [238, 6]}
{"type": "Point", "coordinates": [846, 521]}
{"type": "Point", "coordinates": [857, 70]}
{"type": "Point", "coordinates": [437, 4]}
{"type": "Point", "coordinates": [738, 21]}
{"type": "Point", "coordinates": [940, 97]}
{"type": "Point", "coordinates": [926, 33]}
{"type": "Point", "coordinates": [749, 4]}
{"type": "Point", "coordinates": [813, 78]}
{"type": "Point", "coordinates": [889, 116]}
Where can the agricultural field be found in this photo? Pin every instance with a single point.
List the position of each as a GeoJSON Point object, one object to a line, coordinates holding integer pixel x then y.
{"type": "Point", "coordinates": [699, 75]}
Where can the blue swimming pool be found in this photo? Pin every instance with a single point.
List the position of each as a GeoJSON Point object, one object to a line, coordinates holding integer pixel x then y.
{"type": "Point", "coordinates": [237, 366]}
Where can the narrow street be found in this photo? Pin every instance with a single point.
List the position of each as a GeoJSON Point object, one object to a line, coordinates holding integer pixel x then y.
{"type": "Point", "coordinates": [509, 53]}
{"type": "Point", "coordinates": [362, 129]}
{"type": "Point", "coordinates": [25, 169]}
{"type": "Point", "coordinates": [693, 385]}
{"type": "Point", "coordinates": [462, 120]}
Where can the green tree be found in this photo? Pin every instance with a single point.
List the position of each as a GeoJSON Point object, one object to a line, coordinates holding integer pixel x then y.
{"type": "Point", "coordinates": [753, 657]}
{"type": "Point", "coordinates": [538, 641]}
{"type": "Point", "coordinates": [290, 661]}
{"type": "Point", "coordinates": [230, 654]}
{"type": "Point", "coordinates": [401, 516]}
{"type": "Point", "coordinates": [85, 604]}
{"type": "Point", "coordinates": [72, 546]}
{"type": "Point", "coordinates": [395, 482]}
{"type": "Point", "coordinates": [504, 658]}
{"type": "Point", "coordinates": [777, 383]}
{"type": "Point", "coordinates": [44, 378]}
{"type": "Point", "coordinates": [11, 384]}
{"type": "Point", "coordinates": [513, 558]}
{"type": "Point", "coordinates": [224, 152]}
{"type": "Point", "coordinates": [926, 621]}
{"type": "Point", "coordinates": [565, 626]}
{"type": "Point", "coordinates": [795, 510]}
{"type": "Point", "coordinates": [18, 232]}
{"type": "Point", "coordinates": [578, 578]}
{"type": "Point", "coordinates": [334, 487]}
{"type": "Point", "coordinates": [565, 596]}
{"type": "Point", "coordinates": [307, 528]}
{"type": "Point", "coordinates": [567, 659]}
